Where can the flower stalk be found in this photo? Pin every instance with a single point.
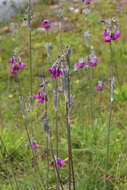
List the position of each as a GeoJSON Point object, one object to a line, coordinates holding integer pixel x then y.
{"type": "Point", "coordinates": [66, 80]}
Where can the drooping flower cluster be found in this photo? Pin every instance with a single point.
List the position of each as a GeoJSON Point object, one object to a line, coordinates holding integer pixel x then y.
{"type": "Point", "coordinates": [90, 62]}
{"type": "Point", "coordinates": [41, 97]}
{"type": "Point", "coordinates": [46, 24]}
{"type": "Point", "coordinates": [120, 3]}
{"type": "Point", "coordinates": [56, 70]}
{"type": "Point", "coordinates": [59, 162]}
{"type": "Point", "coordinates": [16, 65]}
{"type": "Point", "coordinates": [111, 36]}
{"type": "Point", "coordinates": [111, 32]}
{"type": "Point", "coordinates": [87, 1]}
{"type": "Point", "coordinates": [81, 63]}
{"type": "Point", "coordinates": [101, 86]}
{"type": "Point", "coordinates": [35, 146]}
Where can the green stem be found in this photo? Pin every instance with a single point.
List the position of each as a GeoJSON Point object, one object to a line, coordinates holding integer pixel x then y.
{"type": "Point", "coordinates": [71, 167]}
{"type": "Point", "coordinates": [110, 119]}
{"type": "Point", "coordinates": [30, 49]}
{"type": "Point", "coordinates": [55, 164]}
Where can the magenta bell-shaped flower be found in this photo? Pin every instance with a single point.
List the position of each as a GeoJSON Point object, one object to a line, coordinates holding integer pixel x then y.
{"type": "Point", "coordinates": [92, 60]}
{"type": "Point", "coordinates": [59, 163]}
{"type": "Point", "coordinates": [86, 1]}
{"type": "Point", "coordinates": [35, 146]}
{"type": "Point", "coordinates": [101, 86]}
{"type": "Point", "coordinates": [46, 24]}
{"type": "Point", "coordinates": [116, 35]}
{"type": "Point", "coordinates": [15, 66]}
{"type": "Point", "coordinates": [21, 65]}
{"type": "Point", "coordinates": [41, 97]}
{"type": "Point", "coordinates": [113, 36]}
{"type": "Point", "coordinates": [55, 71]}
{"type": "Point", "coordinates": [12, 60]}
{"type": "Point", "coordinates": [108, 38]}
{"type": "Point", "coordinates": [105, 33]}
{"type": "Point", "coordinates": [80, 65]}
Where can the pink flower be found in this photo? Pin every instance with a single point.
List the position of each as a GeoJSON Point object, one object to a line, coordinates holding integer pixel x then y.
{"type": "Point", "coordinates": [14, 69]}
{"type": "Point", "coordinates": [86, 1]}
{"type": "Point", "coordinates": [105, 33]}
{"type": "Point", "coordinates": [35, 146]}
{"type": "Point", "coordinates": [55, 71]}
{"type": "Point", "coordinates": [59, 163]}
{"type": "Point", "coordinates": [113, 36]}
{"type": "Point", "coordinates": [81, 63]}
{"type": "Point", "coordinates": [120, 3]}
{"type": "Point", "coordinates": [100, 86]}
{"type": "Point", "coordinates": [15, 66]}
{"type": "Point", "coordinates": [92, 60]}
{"type": "Point", "coordinates": [12, 60]}
{"type": "Point", "coordinates": [116, 35]}
{"type": "Point", "coordinates": [46, 24]}
{"type": "Point", "coordinates": [21, 65]}
{"type": "Point", "coordinates": [41, 97]}
{"type": "Point", "coordinates": [108, 38]}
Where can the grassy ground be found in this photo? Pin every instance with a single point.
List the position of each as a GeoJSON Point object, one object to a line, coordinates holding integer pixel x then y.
{"type": "Point", "coordinates": [89, 119]}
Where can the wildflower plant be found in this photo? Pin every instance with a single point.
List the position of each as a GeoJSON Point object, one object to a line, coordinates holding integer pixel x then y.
{"type": "Point", "coordinates": [56, 69]}
{"type": "Point", "coordinates": [100, 86]}
{"type": "Point", "coordinates": [46, 24]}
{"type": "Point", "coordinates": [64, 97]}
{"type": "Point", "coordinates": [87, 1]}
{"type": "Point", "coordinates": [16, 64]}
{"type": "Point", "coordinates": [111, 31]}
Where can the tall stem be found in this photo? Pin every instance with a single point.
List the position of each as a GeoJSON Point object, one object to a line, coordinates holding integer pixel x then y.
{"type": "Point", "coordinates": [71, 167]}
{"type": "Point", "coordinates": [47, 141]}
{"type": "Point", "coordinates": [30, 48]}
{"type": "Point", "coordinates": [56, 125]}
{"type": "Point", "coordinates": [47, 155]}
{"type": "Point", "coordinates": [110, 120]}
{"type": "Point", "coordinates": [92, 102]}
{"type": "Point", "coordinates": [56, 117]}
{"type": "Point", "coordinates": [55, 164]}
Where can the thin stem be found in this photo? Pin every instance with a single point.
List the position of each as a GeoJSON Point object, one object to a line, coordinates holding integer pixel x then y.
{"type": "Point", "coordinates": [30, 48]}
{"type": "Point", "coordinates": [69, 144]}
{"type": "Point", "coordinates": [108, 146]}
{"type": "Point", "coordinates": [56, 125]}
{"type": "Point", "coordinates": [55, 164]}
{"type": "Point", "coordinates": [71, 167]}
{"type": "Point", "coordinates": [110, 119]}
{"type": "Point", "coordinates": [47, 145]}
{"type": "Point", "coordinates": [90, 78]}
{"type": "Point", "coordinates": [56, 118]}
{"type": "Point", "coordinates": [47, 140]}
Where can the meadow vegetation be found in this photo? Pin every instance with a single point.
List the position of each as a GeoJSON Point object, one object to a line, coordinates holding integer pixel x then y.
{"type": "Point", "coordinates": [86, 99]}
